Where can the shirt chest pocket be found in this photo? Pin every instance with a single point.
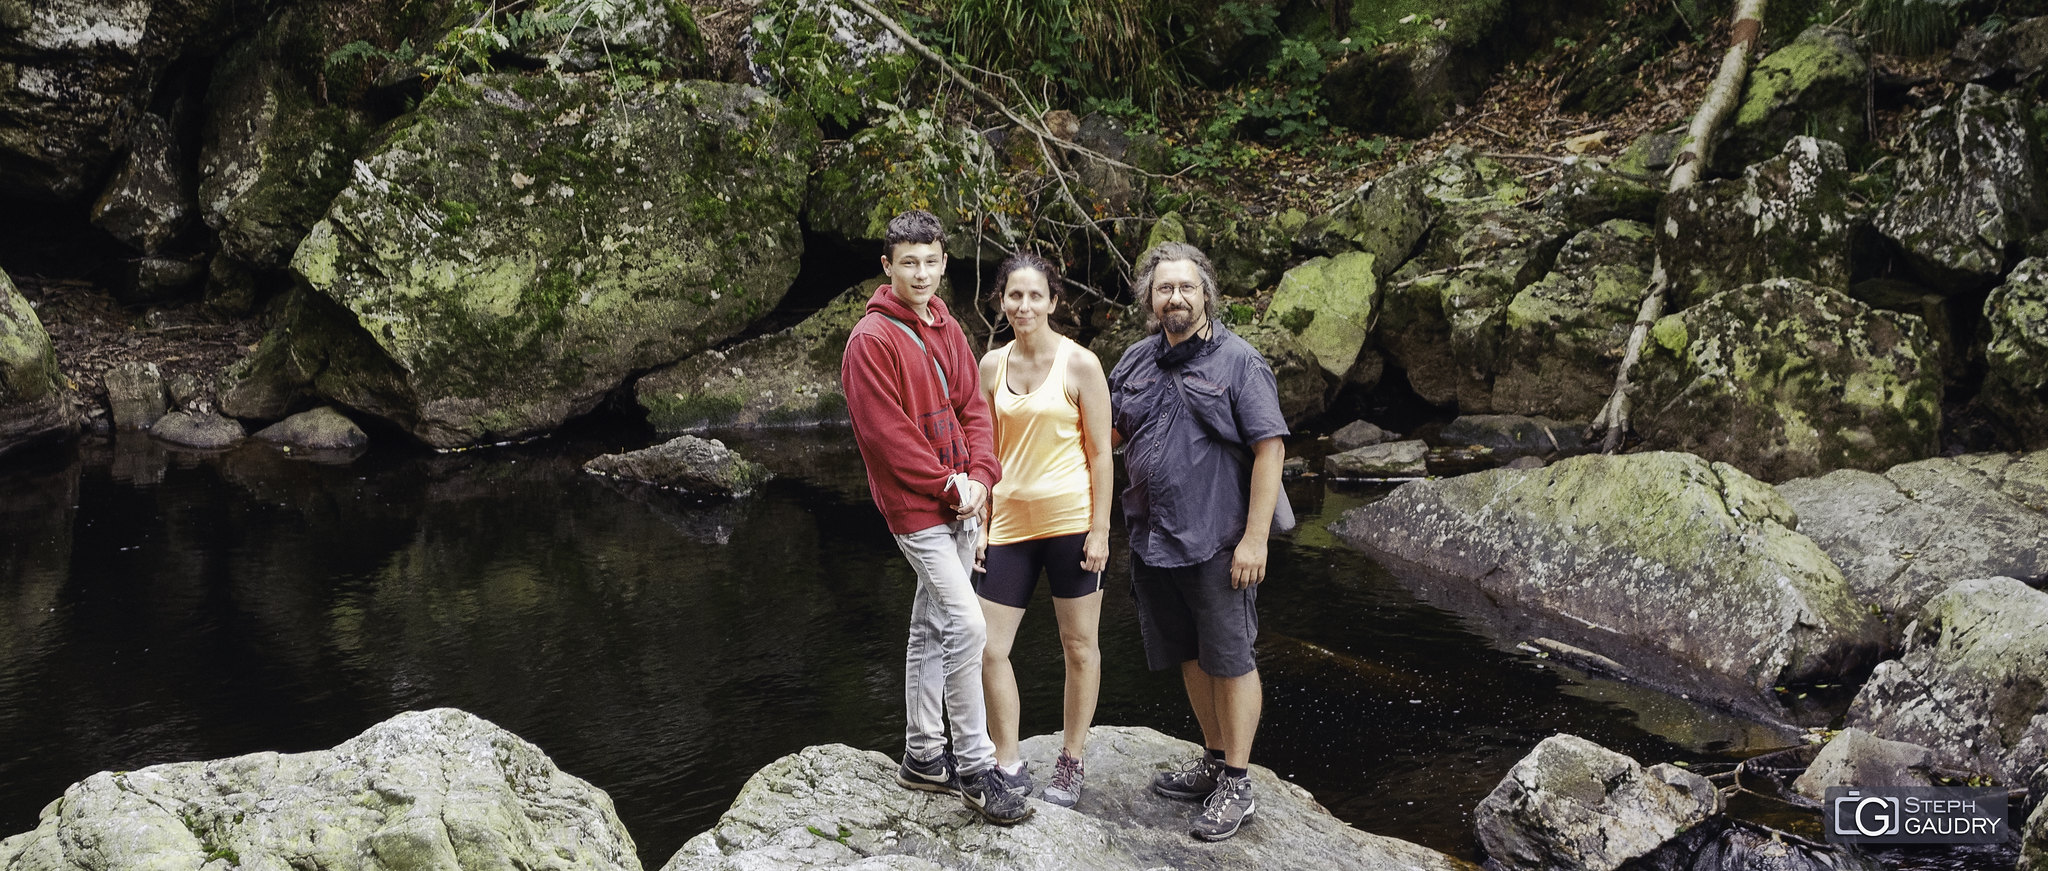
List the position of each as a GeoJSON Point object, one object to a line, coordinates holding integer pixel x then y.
{"type": "Point", "coordinates": [1209, 402]}
{"type": "Point", "coordinates": [1135, 402]}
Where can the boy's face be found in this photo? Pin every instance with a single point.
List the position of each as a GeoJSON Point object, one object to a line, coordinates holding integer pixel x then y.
{"type": "Point", "coordinates": [914, 270]}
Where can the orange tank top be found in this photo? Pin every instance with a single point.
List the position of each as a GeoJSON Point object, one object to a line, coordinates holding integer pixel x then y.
{"type": "Point", "coordinates": [1044, 490]}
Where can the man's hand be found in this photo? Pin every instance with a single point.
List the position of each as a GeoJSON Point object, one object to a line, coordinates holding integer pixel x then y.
{"type": "Point", "coordinates": [1095, 551]}
{"type": "Point", "coordinates": [1248, 563]}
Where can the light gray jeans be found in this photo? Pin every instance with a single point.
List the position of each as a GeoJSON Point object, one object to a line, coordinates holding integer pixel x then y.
{"type": "Point", "coordinates": [942, 668]}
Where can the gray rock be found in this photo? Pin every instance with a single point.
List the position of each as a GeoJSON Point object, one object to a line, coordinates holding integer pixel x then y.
{"type": "Point", "coordinates": [1573, 805]}
{"type": "Point", "coordinates": [1564, 333]}
{"type": "Point", "coordinates": [1787, 378]}
{"type": "Point", "coordinates": [35, 406]}
{"type": "Point", "coordinates": [613, 35]}
{"type": "Point", "coordinates": [136, 394]}
{"type": "Point", "coordinates": [1588, 193]}
{"type": "Point", "coordinates": [2020, 49]}
{"type": "Point", "coordinates": [274, 154]}
{"type": "Point", "coordinates": [1357, 434]}
{"type": "Point", "coordinates": [837, 807]}
{"type": "Point", "coordinates": [1973, 682]}
{"type": "Point", "coordinates": [2034, 844]}
{"type": "Point", "coordinates": [1968, 190]}
{"type": "Point", "coordinates": [1386, 219]}
{"type": "Point", "coordinates": [424, 789]}
{"type": "Point", "coordinates": [1907, 534]}
{"type": "Point", "coordinates": [1687, 573]}
{"type": "Point", "coordinates": [1816, 86]}
{"type": "Point", "coordinates": [1784, 218]}
{"type": "Point", "coordinates": [1525, 463]}
{"type": "Point", "coordinates": [2016, 356]}
{"type": "Point", "coordinates": [322, 429]}
{"type": "Point", "coordinates": [186, 390]}
{"type": "Point", "coordinates": [790, 378]}
{"type": "Point", "coordinates": [1728, 844]}
{"type": "Point", "coordinates": [2022, 476]}
{"type": "Point", "coordinates": [1857, 758]}
{"type": "Point", "coordinates": [202, 430]}
{"type": "Point", "coordinates": [148, 201]}
{"type": "Point", "coordinates": [1510, 435]}
{"type": "Point", "coordinates": [687, 463]}
{"type": "Point", "coordinates": [1389, 460]}
{"type": "Point", "coordinates": [525, 245]}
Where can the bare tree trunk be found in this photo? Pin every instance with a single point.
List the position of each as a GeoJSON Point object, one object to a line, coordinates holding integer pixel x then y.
{"type": "Point", "coordinates": [1699, 141]}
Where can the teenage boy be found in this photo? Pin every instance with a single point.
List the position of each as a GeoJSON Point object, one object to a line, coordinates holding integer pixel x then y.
{"type": "Point", "coordinates": [1199, 412]}
{"type": "Point", "coordinates": [913, 390]}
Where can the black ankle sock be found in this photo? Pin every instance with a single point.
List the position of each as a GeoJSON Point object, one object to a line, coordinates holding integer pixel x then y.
{"type": "Point", "coordinates": [1236, 772]}
{"type": "Point", "coordinates": [1214, 754]}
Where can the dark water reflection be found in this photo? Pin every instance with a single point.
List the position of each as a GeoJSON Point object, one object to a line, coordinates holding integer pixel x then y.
{"type": "Point", "coordinates": [158, 608]}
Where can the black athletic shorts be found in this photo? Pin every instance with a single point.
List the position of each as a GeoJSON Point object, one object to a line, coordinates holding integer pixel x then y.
{"type": "Point", "coordinates": [1191, 612]}
{"type": "Point", "coordinates": [1012, 570]}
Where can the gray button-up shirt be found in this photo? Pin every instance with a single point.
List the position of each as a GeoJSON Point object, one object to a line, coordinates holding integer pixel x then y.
{"type": "Point", "coordinates": [1189, 489]}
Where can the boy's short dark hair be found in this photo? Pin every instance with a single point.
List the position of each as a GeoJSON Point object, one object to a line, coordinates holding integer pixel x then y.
{"type": "Point", "coordinates": [915, 227]}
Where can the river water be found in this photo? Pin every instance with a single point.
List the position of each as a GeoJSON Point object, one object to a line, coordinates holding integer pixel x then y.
{"type": "Point", "coordinates": [163, 607]}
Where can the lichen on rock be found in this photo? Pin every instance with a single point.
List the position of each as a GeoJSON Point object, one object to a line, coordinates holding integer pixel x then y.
{"type": "Point", "coordinates": [34, 405]}
{"type": "Point", "coordinates": [522, 245]}
{"type": "Point", "coordinates": [1564, 333]}
{"type": "Point", "coordinates": [1787, 217]}
{"type": "Point", "coordinates": [789, 378]}
{"type": "Point", "coordinates": [1969, 190]}
{"type": "Point", "coordinates": [2016, 355]}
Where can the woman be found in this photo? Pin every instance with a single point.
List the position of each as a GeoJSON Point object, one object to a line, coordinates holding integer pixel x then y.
{"type": "Point", "coordinates": [1050, 513]}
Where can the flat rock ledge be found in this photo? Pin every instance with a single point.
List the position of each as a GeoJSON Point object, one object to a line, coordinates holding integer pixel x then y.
{"type": "Point", "coordinates": [836, 807]}
{"type": "Point", "coordinates": [436, 789]}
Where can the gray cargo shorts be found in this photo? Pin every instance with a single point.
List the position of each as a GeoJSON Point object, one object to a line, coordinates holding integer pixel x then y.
{"type": "Point", "coordinates": [1190, 612]}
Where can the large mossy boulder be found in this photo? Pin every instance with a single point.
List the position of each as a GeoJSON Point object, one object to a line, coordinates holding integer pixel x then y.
{"type": "Point", "coordinates": [1909, 533]}
{"type": "Point", "coordinates": [1564, 334]}
{"type": "Point", "coordinates": [1573, 805]}
{"type": "Point", "coordinates": [1329, 302]}
{"type": "Point", "coordinates": [34, 405]}
{"type": "Point", "coordinates": [2016, 356]}
{"type": "Point", "coordinates": [645, 38]}
{"type": "Point", "coordinates": [861, 182]}
{"type": "Point", "coordinates": [1969, 190]}
{"type": "Point", "coordinates": [1444, 315]}
{"type": "Point", "coordinates": [1386, 218]}
{"type": "Point", "coordinates": [424, 789]}
{"type": "Point", "coordinates": [1973, 683]}
{"type": "Point", "coordinates": [1786, 379]}
{"type": "Point", "coordinates": [524, 244]}
{"type": "Point", "coordinates": [1817, 86]}
{"type": "Point", "coordinates": [1784, 218]}
{"type": "Point", "coordinates": [789, 378]}
{"type": "Point", "coordinates": [1686, 573]}
{"type": "Point", "coordinates": [1304, 392]}
{"type": "Point", "coordinates": [274, 154]}
{"type": "Point", "coordinates": [74, 73]}
{"type": "Point", "coordinates": [833, 806]}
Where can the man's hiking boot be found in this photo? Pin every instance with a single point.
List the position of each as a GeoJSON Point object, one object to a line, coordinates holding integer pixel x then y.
{"type": "Point", "coordinates": [983, 793]}
{"type": "Point", "coordinates": [1019, 783]}
{"type": "Point", "coordinates": [1193, 780]}
{"type": "Point", "coordinates": [934, 775]}
{"type": "Point", "coordinates": [1226, 809]}
{"type": "Point", "coordinates": [1065, 788]}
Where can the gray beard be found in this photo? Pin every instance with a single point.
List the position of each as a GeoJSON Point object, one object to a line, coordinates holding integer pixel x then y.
{"type": "Point", "coordinates": [1178, 321]}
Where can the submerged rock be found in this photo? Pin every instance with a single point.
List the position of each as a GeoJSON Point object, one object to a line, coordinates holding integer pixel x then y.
{"type": "Point", "coordinates": [836, 807]}
{"type": "Point", "coordinates": [1973, 683]}
{"type": "Point", "coordinates": [687, 463]}
{"type": "Point", "coordinates": [34, 405]}
{"type": "Point", "coordinates": [192, 429]}
{"type": "Point", "coordinates": [424, 789]}
{"type": "Point", "coordinates": [1509, 435]}
{"type": "Point", "coordinates": [1564, 334]}
{"type": "Point", "coordinates": [1685, 572]}
{"type": "Point", "coordinates": [2016, 357]}
{"type": "Point", "coordinates": [1969, 190]}
{"type": "Point", "coordinates": [527, 243]}
{"type": "Point", "coordinates": [1786, 378]}
{"type": "Point", "coordinates": [1572, 804]}
{"type": "Point", "coordinates": [790, 378]}
{"type": "Point", "coordinates": [1909, 533]}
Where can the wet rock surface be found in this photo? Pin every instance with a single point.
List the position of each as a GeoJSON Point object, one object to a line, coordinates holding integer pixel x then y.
{"type": "Point", "coordinates": [696, 466]}
{"type": "Point", "coordinates": [836, 807]}
{"type": "Point", "coordinates": [425, 789]}
{"type": "Point", "coordinates": [204, 430]}
{"type": "Point", "coordinates": [1902, 536]}
{"type": "Point", "coordinates": [1572, 804]}
{"type": "Point", "coordinates": [1384, 460]}
{"type": "Point", "coordinates": [1973, 682]}
{"type": "Point", "coordinates": [789, 378]}
{"type": "Point", "coordinates": [1512, 435]}
{"type": "Point", "coordinates": [1687, 573]}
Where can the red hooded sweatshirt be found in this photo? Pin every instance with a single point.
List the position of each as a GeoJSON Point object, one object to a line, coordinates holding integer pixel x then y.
{"type": "Point", "coordinates": [914, 434]}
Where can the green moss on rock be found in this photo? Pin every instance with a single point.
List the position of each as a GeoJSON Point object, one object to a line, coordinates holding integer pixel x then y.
{"type": "Point", "coordinates": [34, 404]}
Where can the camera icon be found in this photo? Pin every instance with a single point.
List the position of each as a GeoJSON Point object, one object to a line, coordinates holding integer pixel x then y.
{"type": "Point", "coordinates": [1868, 816]}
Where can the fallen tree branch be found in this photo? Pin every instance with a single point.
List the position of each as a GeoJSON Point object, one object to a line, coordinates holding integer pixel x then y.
{"type": "Point", "coordinates": [1714, 108]}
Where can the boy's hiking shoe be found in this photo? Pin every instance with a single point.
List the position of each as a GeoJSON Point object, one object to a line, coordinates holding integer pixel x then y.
{"type": "Point", "coordinates": [1226, 809]}
{"type": "Point", "coordinates": [934, 775]}
{"type": "Point", "coordinates": [1019, 783]}
{"type": "Point", "coordinates": [983, 793]}
{"type": "Point", "coordinates": [1065, 788]}
{"type": "Point", "coordinates": [1193, 780]}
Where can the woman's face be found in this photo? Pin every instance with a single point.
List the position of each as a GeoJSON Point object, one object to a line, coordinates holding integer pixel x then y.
{"type": "Point", "coordinates": [1027, 300]}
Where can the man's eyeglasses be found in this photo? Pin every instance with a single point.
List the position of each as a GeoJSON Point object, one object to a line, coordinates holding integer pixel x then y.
{"type": "Point", "coordinates": [1191, 291]}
